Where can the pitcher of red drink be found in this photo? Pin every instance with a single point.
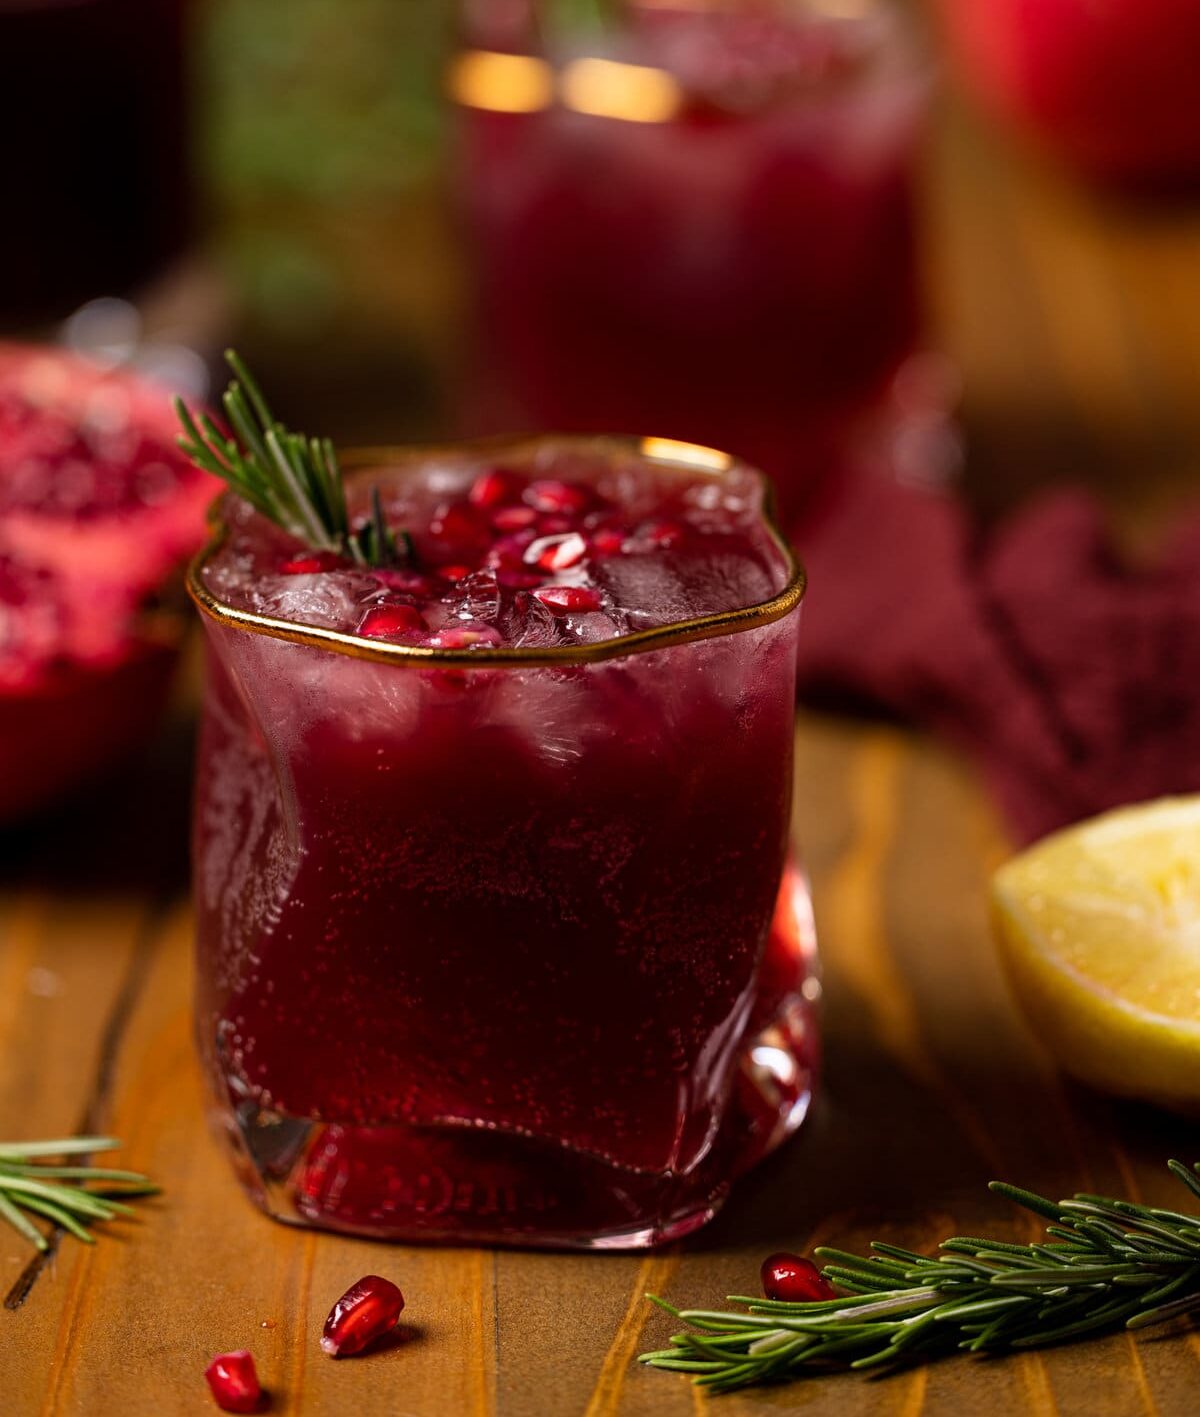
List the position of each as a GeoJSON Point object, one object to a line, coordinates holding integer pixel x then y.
{"type": "Point", "coordinates": [496, 937]}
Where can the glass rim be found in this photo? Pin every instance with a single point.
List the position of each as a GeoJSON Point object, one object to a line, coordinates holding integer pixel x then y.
{"type": "Point", "coordinates": [667, 453]}
{"type": "Point", "coordinates": [609, 85]}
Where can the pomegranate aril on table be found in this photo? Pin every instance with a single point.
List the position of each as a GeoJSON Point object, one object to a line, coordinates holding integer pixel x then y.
{"type": "Point", "coordinates": [792, 1279]}
{"type": "Point", "coordinates": [508, 908]}
{"type": "Point", "coordinates": [365, 1313]}
{"type": "Point", "coordinates": [234, 1383]}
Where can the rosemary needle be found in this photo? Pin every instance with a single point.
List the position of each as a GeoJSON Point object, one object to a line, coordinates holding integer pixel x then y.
{"type": "Point", "coordinates": [293, 480]}
{"type": "Point", "coordinates": [29, 1183]}
{"type": "Point", "coordinates": [1105, 1264]}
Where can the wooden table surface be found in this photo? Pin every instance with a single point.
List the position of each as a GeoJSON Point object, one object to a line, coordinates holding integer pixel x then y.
{"type": "Point", "coordinates": [1078, 327]}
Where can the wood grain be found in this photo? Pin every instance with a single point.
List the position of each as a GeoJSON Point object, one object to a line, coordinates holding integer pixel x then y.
{"type": "Point", "coordinates": [933, 1085]}
{"type": "Point", "coordinates": [1078, 329]}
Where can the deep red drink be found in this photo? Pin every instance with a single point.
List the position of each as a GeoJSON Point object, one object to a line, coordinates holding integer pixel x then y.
{"type": "Point", "coordinates": [712, 236]}
{"type": "Point", "coordinates": [486, 868]}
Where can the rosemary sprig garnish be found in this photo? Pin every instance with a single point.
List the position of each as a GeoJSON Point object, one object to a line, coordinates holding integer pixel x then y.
{"type": "Point", "coordinates": [1105, 1264]}
{"type": "Point", "coordinates": [33, 1179]}
{"type": "Point", "coordinates": [293, 480]}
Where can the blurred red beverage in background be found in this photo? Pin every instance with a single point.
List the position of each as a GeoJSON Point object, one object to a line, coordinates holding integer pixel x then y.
{"type": "Point", "coordinates": [697, 223]}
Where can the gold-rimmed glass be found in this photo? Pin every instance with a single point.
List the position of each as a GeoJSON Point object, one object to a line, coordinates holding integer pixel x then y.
{"type": "Point", "coordinates": [498, 944]}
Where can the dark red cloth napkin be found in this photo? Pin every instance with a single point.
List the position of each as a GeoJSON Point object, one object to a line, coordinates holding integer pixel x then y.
{"type": "Point", "coordinates": [1072, 678]}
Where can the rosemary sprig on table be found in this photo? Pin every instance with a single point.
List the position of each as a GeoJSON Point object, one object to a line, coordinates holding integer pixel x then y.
{"type": "Point", "coordinates": [33, 1179]}
{"type": "Point", "coordinates": [293, 480]}
{"type": "Point", "coordinates": [1105, 1264]}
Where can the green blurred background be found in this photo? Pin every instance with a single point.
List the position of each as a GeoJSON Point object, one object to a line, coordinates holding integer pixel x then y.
{"type": "Point", "coordinates": [321, 136]}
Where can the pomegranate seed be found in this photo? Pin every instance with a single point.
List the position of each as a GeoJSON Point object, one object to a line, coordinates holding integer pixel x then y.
{"type": "Point", "coordinates": [552, 496]}
{"type": "Point", "coordinates": [491, 488]}
{"type": "Point", "coordinates": [311, 564]}
{"type": "Point", "coordinates": [555, 525]}
{"type": "Point", "coordinates": [514, 518]}
{"type": "Point", "coordinates": [234, 1383]}
{"type": "Point", "coordinates": [459, 526]}
{"type": "Point", "coordinates": [508, 552]}
{"type": "Point", "coordinates": [563, 599]}
{"type": "Point", "coordinates": [454, 572]}
{"type": "Point", "coordinates": [381, 622]}
{"type": "Point", "coordinates": [464, 637]}
{"type": "Point", "coordinates": [658, 536]}
{"type": "Point", "coordinates": [793, 1279]}
{"type": "Point", "coordinates": [410, 582]}
{"type": "Point", "coordinates": [608, 541]}
{"type": "Point", "coordinates": [365, 1312]}
{"type": "Point", "coordinates": [556, 553]}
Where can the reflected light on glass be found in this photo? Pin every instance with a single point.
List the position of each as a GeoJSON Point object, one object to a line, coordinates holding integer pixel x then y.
{"type": "Point", "coordinates": [670, 450]}
{"type": "Point", "coordinates": [778, 1062]}
{"type": "Point", "coordinates": [504, 83]}
{"type": "Point", "coordinates": [605, 88]}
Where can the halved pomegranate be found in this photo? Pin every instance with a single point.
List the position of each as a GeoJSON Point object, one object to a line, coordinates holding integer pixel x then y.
{"type": "Point", "coordinates": [98, 509]}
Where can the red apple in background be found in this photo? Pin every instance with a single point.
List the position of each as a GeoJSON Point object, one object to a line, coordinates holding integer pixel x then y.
{"type": "Point", "coordinates": [98, 509]}
{"type": "Point", "coordinates": [1110, 86]}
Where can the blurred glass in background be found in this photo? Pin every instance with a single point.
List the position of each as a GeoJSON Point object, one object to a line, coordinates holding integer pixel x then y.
{"type": "Point", "coordinates": [94, 110]}
{"type": "Point", "coordinates": [712, 235]}
{"type": "Point", "coordinates": [692, 219]}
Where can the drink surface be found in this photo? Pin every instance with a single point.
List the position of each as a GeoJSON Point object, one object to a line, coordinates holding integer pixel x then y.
{"type": "Point", "coordinates": [486, 951]}
{"type": "Point", "coordinates": [569, 549]}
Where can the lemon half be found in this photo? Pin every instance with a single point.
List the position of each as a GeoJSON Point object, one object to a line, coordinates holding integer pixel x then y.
{"type": "Point", "coordinates": [1099, 931]}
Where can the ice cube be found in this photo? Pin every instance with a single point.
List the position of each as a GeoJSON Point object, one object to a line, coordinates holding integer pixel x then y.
{"type": "Point", "coordinates": [478, 596]}
{"type": "Point", "coordinates": [328, 601]}
{"type": "Point", "coordinates": [599, 625]}
{"type": "Point", "coordinates": [532, 626]}
{"type": "Point", "coordinates": [712, 573]}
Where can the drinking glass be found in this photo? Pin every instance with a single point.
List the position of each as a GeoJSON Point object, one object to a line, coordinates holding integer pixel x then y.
{"type": "Point", "coordinates": [94, 106]}
{"type": "Point", "coordinates": [502, 944]}
{"type": "Point", "coordinates": [696, 218]}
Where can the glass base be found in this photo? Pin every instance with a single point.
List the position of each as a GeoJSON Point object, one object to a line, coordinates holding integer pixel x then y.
{"type": "Point", "coordinates": [461, 1184]}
